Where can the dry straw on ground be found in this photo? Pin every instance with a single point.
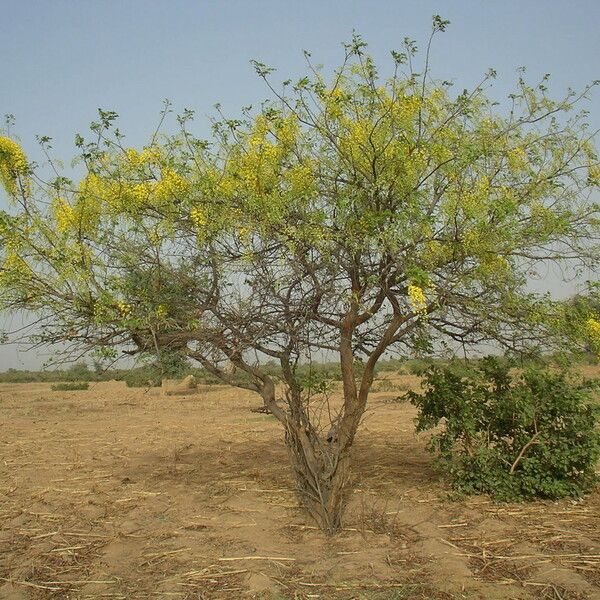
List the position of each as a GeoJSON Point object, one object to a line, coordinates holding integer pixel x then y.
{"type": "Point", "coordinates": [115, 493]}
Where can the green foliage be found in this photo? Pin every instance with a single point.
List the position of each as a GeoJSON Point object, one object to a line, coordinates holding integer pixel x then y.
{"type": "Point", "coordinates": [582, 321]}
{"type": "Point", "coordinates": [143, 378]}
{"type": "Point", "coordinates": [418, 366]}
{"type": "Point", "coordinates": [513, 437]}
{"type": "Point", "coordinates": [172, 364]}
{"type": "Point", "coordinates": [70, 386]}
{"type": "Point", "coordinates": [205, 377]}
{"type": "Point", "coordinates": [319, 381]}
{"type": "Point", "coordinates": [76, 372]}
{"type": "Point", "coordinates": [383, 199]}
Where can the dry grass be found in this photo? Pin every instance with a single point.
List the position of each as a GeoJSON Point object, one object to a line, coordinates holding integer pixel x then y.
{"type": "Point", "coordinates": [123, 494]}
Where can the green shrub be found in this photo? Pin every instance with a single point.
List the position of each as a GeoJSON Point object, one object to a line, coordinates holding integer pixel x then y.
{"type": "Point", "coordinates": [70, 386]}
{"type": "Point", "coordinates": [534, 435]}
{"type": "Point", "coordinates": [418, 366]}
{"type": "Point", "coordinates": [143, 377]}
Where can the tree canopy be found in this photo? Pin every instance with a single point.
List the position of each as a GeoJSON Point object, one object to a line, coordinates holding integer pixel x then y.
{"type": "Point", "coordinates": [354, 213]}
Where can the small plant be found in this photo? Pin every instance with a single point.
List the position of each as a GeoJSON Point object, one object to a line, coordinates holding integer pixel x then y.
{"type": "Point", "coordinates": [376, 518]}
{"type": "Point", "coordinates": [534, 435]}
{"type": "Point", "coordinates": [70, 386]}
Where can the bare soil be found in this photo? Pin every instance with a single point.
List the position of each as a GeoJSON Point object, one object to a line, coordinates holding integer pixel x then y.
{"type": "Point", "coordinates": [126, 494]}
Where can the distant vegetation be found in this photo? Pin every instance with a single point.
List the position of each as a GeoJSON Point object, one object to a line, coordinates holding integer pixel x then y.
{"type": "Point", "coordinates": [150, 375]}
{"type": "Point", "coordinates": [70, 386]}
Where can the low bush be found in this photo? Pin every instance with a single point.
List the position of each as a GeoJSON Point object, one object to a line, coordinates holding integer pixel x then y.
{"type": "Point", "coordinates": [417, 366]}
{"type": "Point", "coordinates": [513, 437]}
{"type": "Point", "coordinates": [70, 386]}
{"type": "Point", "coordinates": [144, 378]}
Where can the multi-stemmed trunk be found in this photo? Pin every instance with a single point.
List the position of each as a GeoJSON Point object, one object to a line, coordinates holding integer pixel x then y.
{"type": "Point", "coordinates": [321, 464]}
{"type": "Point", "coordinates": [322, 471]}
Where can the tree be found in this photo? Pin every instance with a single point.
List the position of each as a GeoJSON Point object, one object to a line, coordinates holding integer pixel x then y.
{"type": "Point", "coordinates": [353, 215]}
{"type": "Point", "coordinates": [582, 319]}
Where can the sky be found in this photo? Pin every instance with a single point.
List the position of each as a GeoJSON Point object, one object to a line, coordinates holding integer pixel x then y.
{"type": "Point", "coordinates": [62, 60]}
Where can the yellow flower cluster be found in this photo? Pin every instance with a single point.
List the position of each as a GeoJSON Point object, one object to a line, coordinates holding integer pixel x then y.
{"type": "Point", "coordinates": [124, 308]}
{"type": "Point", "coordinates": [593, 331]}
{"type": "Point", "coordinates": [198, 217]}
{"type": "Point", "coordinates": [474, 202]}
{"type": "Point", "coordinates": [414, 165]}
{"type": "Point", "coordinates": [417, 299]}
{"type": "Point", "coordinates": [13, 164]}
{"type": "Point", "coordinates": [258, 166]}
{"type": "Point", "coordinates": [287, 131]}
{"type": "Point", "coordinates": [147, 157]}
{"type": "Point", "coordinates": [13, 268]}
{"type": "Point", "coordinates": [127, 195]}
{"type": "Point", "coordinates": [14, 263]}
{"type": "Point", "coordinates": [63, 214]}
{"type": "Point", "coordinates": [333, 103]}
{"type": "Point", "coordinates": [300, 179]}
{"type": "Point", "coordinates": [517, 158]}
{"type": "Point", "coordinates": [402, 107]}
{"type": "Point", "coordinates": [171, 185]}
{"type": "Point", "coordinates": [594, 175]}
{"type": "Point", "coordinates": [98, 190]}
{"type": "Point", "coordinates": [226, 186]}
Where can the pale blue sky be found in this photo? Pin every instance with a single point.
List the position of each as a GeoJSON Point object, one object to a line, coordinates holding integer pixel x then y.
{"type": "Point", "coordinates": [61, 60]}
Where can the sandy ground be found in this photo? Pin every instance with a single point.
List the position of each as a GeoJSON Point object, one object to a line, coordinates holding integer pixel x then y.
{"type": "Point", "coordinates": [124, 494]}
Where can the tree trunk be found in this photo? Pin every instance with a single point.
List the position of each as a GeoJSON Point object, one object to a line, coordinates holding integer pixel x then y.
{"type": "Point", "coordinates": [322, 472]}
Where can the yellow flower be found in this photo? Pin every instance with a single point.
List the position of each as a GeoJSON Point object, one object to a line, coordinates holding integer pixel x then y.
{"type": "Point", "coordinates": [300, 179]}
{"type": "Point", "coordinates": [288, 131]}
{"type": "Point", "coordinates": [517, 158]}
{"type": "Point", "coordinates": [13, 165]}
{"type": "Point", "coordinates": [226, 186]}
{"type": "Point", "coordinates": [13, 263]}
{"type": "Point", "coordinates": [147, 157]}
{"type": "Point", "coordinates": [198, 217]}
{"type": "Point", "coordinates": [124, 308]}
{"type": "Point", "coordinates": [333, 102]}
{"type": "Point", "coordinates": [133, 157]}
{"type": "Point", "coordinates": [63, 214]}
{"type": "Point", "coordinates": [417, 299]}
{"type": "Point", "coordinates": [593, 331]}
{"type": "Point", "coordinates": [244, 233]}
{"type": "Point", "coordinates": [172, 185]}
{"type": "Point", "coordinates": [594, 175]}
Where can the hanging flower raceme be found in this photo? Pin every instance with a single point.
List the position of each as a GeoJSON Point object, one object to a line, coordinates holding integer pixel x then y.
{"type": "Point", "coordinates": [417, 299]}
{"type": "Point", "coordinates": [593, 331]}
{"type": "Point", "coordinates": [63, 214]}
{"type": "Point", "coordinates": [198, 217]}
{"type": "Point", "coordinates": [14, 167]}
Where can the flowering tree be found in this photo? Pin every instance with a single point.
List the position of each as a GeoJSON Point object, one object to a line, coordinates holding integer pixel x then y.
{"type": "Point", "coordinates": [354, 214]}
{"type": "Point", "coordinates": [582, 318]}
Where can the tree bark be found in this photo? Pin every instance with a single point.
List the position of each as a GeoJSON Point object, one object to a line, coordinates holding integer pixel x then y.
{"type": "Point", "coordinates": [322, 472]}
